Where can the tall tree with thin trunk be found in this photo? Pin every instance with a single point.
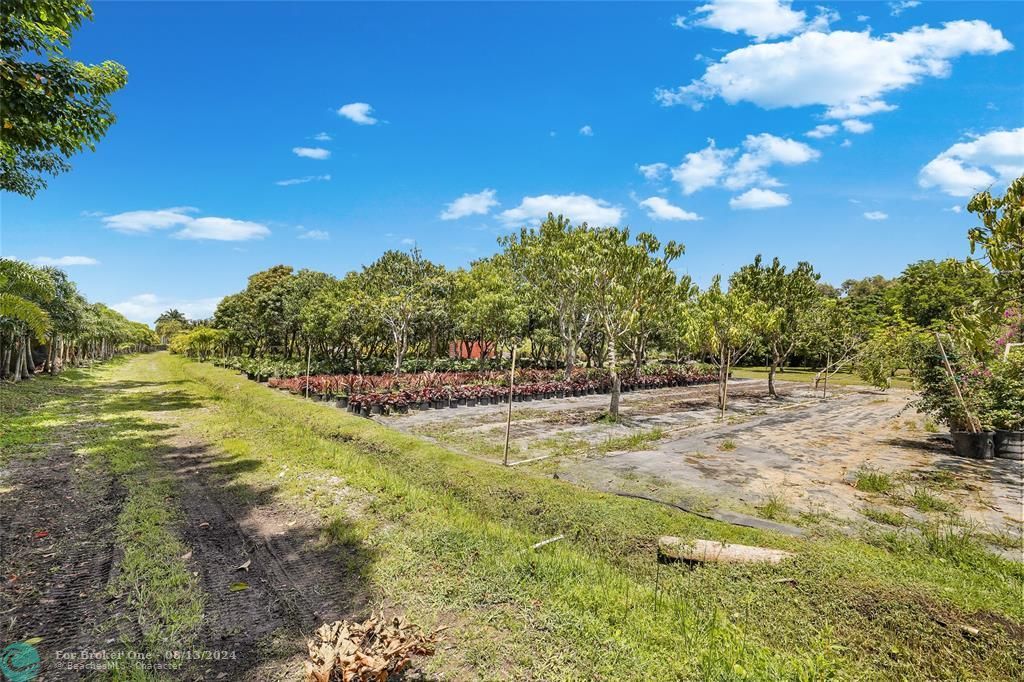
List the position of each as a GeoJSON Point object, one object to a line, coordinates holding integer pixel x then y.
{"type": "Point", "coordinates": [789, 296]}
{"type": "Point", "coordinates": [626, 276]}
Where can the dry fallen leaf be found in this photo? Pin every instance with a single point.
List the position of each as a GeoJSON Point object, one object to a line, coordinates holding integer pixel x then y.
{"type": "Point", "coordinates": [245, 566]}
{"type": "Point", "coordinates": [186, 556]}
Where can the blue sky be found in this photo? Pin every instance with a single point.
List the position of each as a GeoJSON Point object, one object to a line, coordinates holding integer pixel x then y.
{"type": "Point", "coordinates": [843, 136]}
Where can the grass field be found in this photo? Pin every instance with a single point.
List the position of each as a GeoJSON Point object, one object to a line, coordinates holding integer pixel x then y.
{"type": "Point", "coordinates": [807, 374]}
{"type": "Point", "coordinates": [447, 542]}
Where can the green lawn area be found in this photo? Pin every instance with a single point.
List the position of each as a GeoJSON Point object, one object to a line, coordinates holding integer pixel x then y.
{"type": "Point", "coordinates": [807, 374]}
{"type": "Point", "coordinates": [450, 539]}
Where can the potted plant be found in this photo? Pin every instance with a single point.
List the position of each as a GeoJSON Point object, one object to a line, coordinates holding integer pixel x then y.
{"type": "Point", "coordinates": [1006, 392]}
{"type": "Point", "coordinates": [955, 392]}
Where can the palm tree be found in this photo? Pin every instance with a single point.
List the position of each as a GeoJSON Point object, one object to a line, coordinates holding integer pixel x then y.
{"type": "Point", "coordinates": [25, 290]}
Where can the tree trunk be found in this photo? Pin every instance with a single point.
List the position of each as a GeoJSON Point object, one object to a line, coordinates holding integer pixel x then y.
{"type": "Point", "coordinates": [570, 355]}
{"type": "Point", "coordinates": [771, 375]}
{"type": "Point", "coordinates": [30, 365]}
{"type": "Point", "coordinates": [613, 374]}
{"type": "Point", "coordinates": [19, 356]}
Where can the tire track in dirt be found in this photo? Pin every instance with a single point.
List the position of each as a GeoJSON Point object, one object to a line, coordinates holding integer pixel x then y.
{"type": "Point", "coordinates": [57, 553]}
{"type": "Point", "coordinates": [293, 584]}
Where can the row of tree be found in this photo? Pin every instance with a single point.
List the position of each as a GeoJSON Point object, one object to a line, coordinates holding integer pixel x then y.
{"type": "Point", "coordinates": [569, 294]}
{"type": "Point", "coordinates": [46, 324]}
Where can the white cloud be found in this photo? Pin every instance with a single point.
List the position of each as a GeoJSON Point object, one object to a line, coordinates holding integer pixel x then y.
{"type": "Point", "coordinates": [954, 209]}
{"type": "Point", "coordinates": [587, 131]}
{"type": "Point", "coordinates": [653, 171]}
{"type": "Point", "coordinates": [65, 261]}
{"type": "Point", "coordinates": [222, 230]}
{"type": "Point", "coordinates": [147, 307]}
{"type": "Point", "coordinates": [659, 209]}
{"type": "Point", "coordinates": [578, 208]}
{"type": "Point", "coordinates": [897, 8]}
{"type": "Point", "coordinates": [968, 167]}
{"type": "Point", "coordinates": [407, 241]}
{"type": "Point", "coordinates": [303, 180]}
{"type": "Point", "coordinates": [712, 166]}
{"type": "Point", "coordinates": [821, 131]}
{"type": "Point", "coordinates": [862, 18]}
{"type": "Point", "coordinates": [876, 215]}
{"type": "Point", "coordinates": [761, 19]}
{"type": "Point", "coordinates": [319, 235]}
{"type": "Point", "coordinates": [756, 199]}
{"type": "Point", "coordinates": [318, 153]}
{"type": "Point", "coordinates": [763, 151]}
{"type": "Point", "coordinates": [846, 143]}
{"type": "Point", "coordinates": [857, 127]}
{"type": "Point", "coordinates": [323, 137]}
{"type": "Point", "coordinates": [140, 222]}
{"type": "Point", "coordinates": [480, 203]}
{"type": "Point", "coordinates": [679, 21]}
{"type": "Point", "coordinates": [209, 227]}
{"type": "Point", "coordinates": [847, 72]}
{"type": "Point", "coordinates": [358, 112]}
{"type": "Point", "coordinates": [702, 169]}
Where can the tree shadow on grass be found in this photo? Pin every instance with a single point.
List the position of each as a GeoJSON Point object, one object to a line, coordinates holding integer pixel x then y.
{"type": "Point", "coordinates": [296, 575]}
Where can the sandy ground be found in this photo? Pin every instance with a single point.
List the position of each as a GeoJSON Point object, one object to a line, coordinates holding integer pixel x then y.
{"type": "Point", "coordinates": [801, 451]}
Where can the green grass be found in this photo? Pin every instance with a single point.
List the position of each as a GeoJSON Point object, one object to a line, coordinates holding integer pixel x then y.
{"type": "Point", "coordinates": [884, 516]}
{"type": "Point", "coordinates": [806, 375]}
{"type": "Point", "coordinates": [450, 538]}
{"type": "Point", "coordinates": [924, 501]}
{"type": "Point", "coordinates": [727, 445]}
{"type": "Point", "coordinates": [156, 593]}
{"type": "Point", "coordinates": [874, 481]}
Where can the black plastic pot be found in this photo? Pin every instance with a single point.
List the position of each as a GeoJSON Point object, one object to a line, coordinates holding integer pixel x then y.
{"type": "Point", "coordinates": [1009, 444]}
{"type": "Point", "coordinates": [974, 445]}
{"type": "Point", "coordinates": [342, 401]}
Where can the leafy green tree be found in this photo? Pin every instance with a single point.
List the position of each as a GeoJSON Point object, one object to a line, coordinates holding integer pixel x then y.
{"type": "Point", "coordinates": [1000, 238]}
{"type": "Point", "coordinates": [488, 308]}
{"type": "Point", "coordinates": [554, 266]}
{"type": "Point", "coordinates": [929, 293]}
{"type": "Point", "coordinates": [170, 323]}
{"type": "Point", "coordinates": [52, 107]}
{"type": "Point", "coordinates": [25, 292]}
{"type": "Point", "coordinates": [397, 284]}
{"type": "Point", "coordinates": [626, 278]}
{"type": "Point", "coordinates": [789, 296]}
{"type": "Point", "coordinates": [726, 325]}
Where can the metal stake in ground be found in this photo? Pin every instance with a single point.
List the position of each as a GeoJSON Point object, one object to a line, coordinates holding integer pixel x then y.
{"type": "Point", "coordinates": [307, 371]}
{"type": "Point", "coordinates": [511, 388]}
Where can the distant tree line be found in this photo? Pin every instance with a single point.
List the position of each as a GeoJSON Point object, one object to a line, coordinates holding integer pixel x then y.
{"type": "Point", "coordinates": [46, 324]}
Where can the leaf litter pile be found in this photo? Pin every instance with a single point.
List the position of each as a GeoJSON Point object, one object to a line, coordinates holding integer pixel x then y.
{"type": "Point", "coordinates": [374, 650]}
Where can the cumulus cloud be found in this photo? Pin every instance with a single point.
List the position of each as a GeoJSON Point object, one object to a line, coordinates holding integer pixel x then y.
{"type": "Point", "coordinates": [147, 307]}
{"type": "Point", "coordinates": [968, 167]}
{"type": "Point", "coordinates": [876, 215]}
{"type": "Point", "coordinates": [205, 228]}
{"type": "Point", "coordinates": [847, 72]}
{"type": "Point", "coordinates": [857, 127]}
{"type": "Point", "coordinates": [358, 112]}
{"type": "Point", "coordinates": [713, 165]}
{"type": "Point", "coordinates": [318, 153]}
{"type": "Point", "coordinates": [900, 6]}
{"type": "Point", "coordinates": [653, 171]}
{"type": "Point", "coordinates": [323, 137]}
{"type": "Point", "coordinates": [757, 199]}
{"type": "Point", "coordinates": [303, 180]}
{"type": "Point", "coordinates": [822, 131]}
{"type": "Point", "coordinates": [578, 208]}
{"type": "Point", "coordinates": [702, 169]}
{"type": "Point", "coordinates": [763, 151]}
{"type": "Point", "coordinates": [222, 230]}
{"type": "Point", "coordinates": [760, 19]}
{"type": "Point", "coordinates": [65, 261]}
{"type": "Point", "coordinates": [480, 203]}
{"type": "Point", "coordinates": [660, 209]}
{"type": "Point", "coordinates": [140, 222]}
{"type": "Point", "coordinates": [319, 235]}
{"type": "Point", "coordinates": [587, 131]}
